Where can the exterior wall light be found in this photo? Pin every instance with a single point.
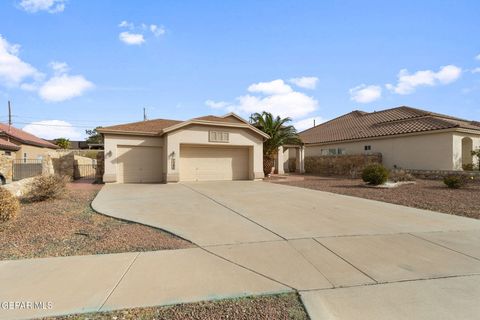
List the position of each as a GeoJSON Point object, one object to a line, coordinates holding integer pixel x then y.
{"type": "Point", "coordinates": [172, 160]}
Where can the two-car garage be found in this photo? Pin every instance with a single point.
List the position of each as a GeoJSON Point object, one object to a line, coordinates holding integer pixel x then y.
{"type": "Point", "coordinates": [206, 163]}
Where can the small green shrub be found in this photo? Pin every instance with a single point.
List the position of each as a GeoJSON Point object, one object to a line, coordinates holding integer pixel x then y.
{"type": "Point", "coordinates": [468, 167]}
{"type": "Point", "coordinates": [375, 174]}
{"type": "Point", "coordinates": [455, 181]}
{"type": "Point", "coordinates": [400, 175]}
{"type": "Point", "coordinates": [47, 187]}
{"type": "Point", "coordinates": [9, 205]}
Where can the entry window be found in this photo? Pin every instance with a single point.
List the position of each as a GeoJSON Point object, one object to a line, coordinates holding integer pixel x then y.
{"type": "Point", "coordinates": [218, 136]}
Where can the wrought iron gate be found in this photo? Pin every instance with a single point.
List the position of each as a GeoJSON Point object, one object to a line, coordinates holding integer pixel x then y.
{"type": "Point", "coordinates": [26, 168]}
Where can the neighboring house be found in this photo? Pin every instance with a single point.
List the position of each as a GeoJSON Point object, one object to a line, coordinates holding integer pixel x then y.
{"type": "Point", "coordinates": [406, 137]}
{"type": "Point", "coordinates": [82, 145]}
{"type": "Point", "coordinates": [23, 145]}
{"type": "Point", "coordinates": [200, 149]}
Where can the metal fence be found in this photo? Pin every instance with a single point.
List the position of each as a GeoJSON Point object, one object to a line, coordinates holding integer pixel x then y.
{"type": "Point", "coordinates": [26, 168]}
{"type": "Point", "coordinates": [84, 171]}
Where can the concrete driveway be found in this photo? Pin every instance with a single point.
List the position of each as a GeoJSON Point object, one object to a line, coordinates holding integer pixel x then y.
{"type": "Point", "coordinates": [402, 262]}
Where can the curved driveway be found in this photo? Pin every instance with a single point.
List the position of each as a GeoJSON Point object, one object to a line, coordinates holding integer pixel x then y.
{"type": "Point", "coordinates": [332, 248]}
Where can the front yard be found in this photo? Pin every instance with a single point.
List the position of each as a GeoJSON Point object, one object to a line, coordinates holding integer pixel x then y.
{"type": "Point", "coordinates": [68, 226]}
{"type": "Point", "coordinates": [280, 307]}
{"type": "Point", "coordinates": [424, 194]}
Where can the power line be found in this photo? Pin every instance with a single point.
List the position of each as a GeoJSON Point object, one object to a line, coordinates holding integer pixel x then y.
{"type": "Point", "coordinates": [53, 125]}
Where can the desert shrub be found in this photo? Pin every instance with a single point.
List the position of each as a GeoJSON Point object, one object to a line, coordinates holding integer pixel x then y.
{"type": "Point", "coordinates": [375, 174]}
{"type": "Point", "coordinates": [455, 181]}
{"type": "Point", "coordinates": [9, 205]}
{"type": "Point", "coordinates": [400, 175]}
{"type": "Point", "coordinates": [47, 187]}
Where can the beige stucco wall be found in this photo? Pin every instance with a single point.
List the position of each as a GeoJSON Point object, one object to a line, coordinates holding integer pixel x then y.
{"type": "Point", "coordinates": [111, 143]}
{"type": "Point", "coordinates": [433, 151]}
{"type": "Point", "coordinates": [198, 134]}
{"type": "Point", "coordinates": [33, 153]}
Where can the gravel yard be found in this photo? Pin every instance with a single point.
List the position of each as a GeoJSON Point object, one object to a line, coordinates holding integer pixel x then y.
{"type": "Point", "coordinates": [280, 307]}
{"type": "Point", "coordinates": [424, 194]}
{"type": "Point", "coordinates": [68, 226]}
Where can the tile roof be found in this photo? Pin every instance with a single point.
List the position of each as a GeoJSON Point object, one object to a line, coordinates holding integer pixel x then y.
{"type": "Point", "coordinates": [149, 126]}
{"type": "Point", "coordinates": [157, 125]}
{"type": "Point", "coordinates": [25, 137]}
{"type": "Point", "coordinates": [361, 125]}
{"type": "Point", "coordinates": [7, 145]}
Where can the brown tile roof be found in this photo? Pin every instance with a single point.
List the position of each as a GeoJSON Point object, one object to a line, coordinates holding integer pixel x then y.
{"type": "Point", "coordinates": [361, 125]}
{"type": "Point", "coordinates": [7, 145]}
{"type": "Point", "coordinates": [157, 125]}
{"type": "Point", "coordinates": [25, 137]}
{"type": "Point", "coordinates": [211, 118]}
{"type": "Point", "coordinates": [149, 126]}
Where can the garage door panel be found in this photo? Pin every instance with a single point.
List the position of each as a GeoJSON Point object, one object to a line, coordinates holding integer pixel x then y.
{"type": "Point", "coordinates": [139, 164]}
{"type": "Point", "coordinates": [213, 163]}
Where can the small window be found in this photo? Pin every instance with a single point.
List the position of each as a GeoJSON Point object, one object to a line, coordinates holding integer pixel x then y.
{"type": "Point", "coordinates": [218, 136]}
{"type": "Point", "coordinates": [25, 157]}
{"type": "Point", "coordinates": [8, 153]}
{"type": "Point", "coordinates": [341, 151]}
{"type": "Point", "coordinates": [368, 148]}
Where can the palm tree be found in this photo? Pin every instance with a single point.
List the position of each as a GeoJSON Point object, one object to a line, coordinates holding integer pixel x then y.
{"type": "Point", "coordinates": [280, 134]}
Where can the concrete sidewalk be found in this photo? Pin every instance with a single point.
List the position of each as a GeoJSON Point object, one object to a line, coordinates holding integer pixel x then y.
{"type": "Point", "coordinates": [116, 281]}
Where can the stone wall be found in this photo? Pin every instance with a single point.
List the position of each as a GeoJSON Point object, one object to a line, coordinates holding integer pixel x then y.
{"type": "Point", "coordinates": [6, 166]}
{"type": "Point", "coordinates": [340, 165]}
{"type": "Point", "coordinates": [440, 174]}
{"type": "Point", "coordinates": [100, 169]}
{"type": "Point", "coordinates": [64, 164]}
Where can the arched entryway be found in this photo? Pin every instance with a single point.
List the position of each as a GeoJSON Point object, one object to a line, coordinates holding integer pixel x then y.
{"type": "Point", "coordinates": [467, 148]}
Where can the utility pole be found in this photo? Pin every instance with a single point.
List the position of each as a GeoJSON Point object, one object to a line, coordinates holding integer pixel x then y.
{"type": "Point", "coordinates": [9, 116]}
{"type": "Point", "coordinates": [144, 115]}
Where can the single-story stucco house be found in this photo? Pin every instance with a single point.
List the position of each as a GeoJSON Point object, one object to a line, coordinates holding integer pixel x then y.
{"type": "Point", "coordinates": [200, 149]}
{"type": "Point", "coordinates": [406, 137]}
{"type": "Point", "coordinates": [22, 145]}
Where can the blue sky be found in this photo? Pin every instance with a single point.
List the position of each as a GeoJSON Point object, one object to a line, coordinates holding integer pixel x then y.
{"type": "Point", "coordinates": [69, 65]}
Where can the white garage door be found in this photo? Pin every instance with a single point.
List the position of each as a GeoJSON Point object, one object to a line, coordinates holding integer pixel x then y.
{"type": "Point", "coordinates": [139, 164]}
{"type": "Point", "coordinates": [213, 163]}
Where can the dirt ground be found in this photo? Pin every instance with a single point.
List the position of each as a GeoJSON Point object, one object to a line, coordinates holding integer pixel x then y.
{"type": "Point", "coordinates": [424, 194]}
{"type": "Point", "coordinates": [280, 307]}
{"type": "Point", "coordinates": [68, 226]}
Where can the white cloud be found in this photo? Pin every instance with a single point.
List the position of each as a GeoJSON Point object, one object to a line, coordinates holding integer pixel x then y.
{"type": "Point", "coordinates": [59, 67]}
{"type": "Point", "coordinates": [274, 96]}
{"type": "Point", "coordinates": [307, 123]}
{"type": "Point", "coordinates": [157, 30]}
{"type": "Point", "coordinates": [476, 70]}
{"type": "Point", "coordinates": [16, 73]}
{"type": "Point", "coordinates": [273, 87]}
{"type": "Point", "coordinates": [131, 38]}
{"type": "Point", "coordinates": [13, 71]}
{"type": "Point", "coordinates": [51, 6]}
{"type": "Point", "coordinates": [365, 94]}
{"type": "Point", "coordinates": [407, 83]}
{"type": "Point", "coordinates": [64, 87]}
{"type": "Point", "coordinates": [305, 82]}
{"type": "Point", "coordinates": [53, 129]}
{"type": "Point", "coordinates": [126, 24]}
{"type": "Point", "coordinates": [216, 105]}
{"type": "Point", "coordinates": [477, 57]}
